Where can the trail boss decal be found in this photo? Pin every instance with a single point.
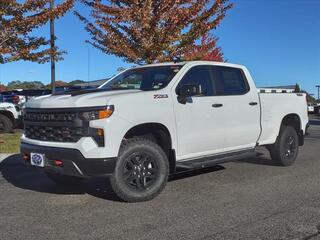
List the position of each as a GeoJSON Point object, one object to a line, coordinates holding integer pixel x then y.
{"type": "Point", "coordinates": [158, 96]}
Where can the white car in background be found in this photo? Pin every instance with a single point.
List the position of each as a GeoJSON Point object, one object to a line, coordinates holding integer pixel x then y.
{"type": "Point", "coordinates": [311, 108]}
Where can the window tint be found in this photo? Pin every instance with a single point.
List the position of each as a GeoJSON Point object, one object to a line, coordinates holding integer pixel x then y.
{"type": "Point", "coordinates": [147, 78]}
{"type": "Point", "coordinates": [199, 75]}
{"type": "Point", "coordinates": [231, 81]}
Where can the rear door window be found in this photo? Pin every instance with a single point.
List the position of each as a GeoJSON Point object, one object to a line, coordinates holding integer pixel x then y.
{"type": "Point", "coordinates": [230, 81]}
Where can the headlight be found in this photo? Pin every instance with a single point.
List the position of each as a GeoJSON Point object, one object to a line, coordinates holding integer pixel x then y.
{"type": "Point", "coordinates": [98, 114]}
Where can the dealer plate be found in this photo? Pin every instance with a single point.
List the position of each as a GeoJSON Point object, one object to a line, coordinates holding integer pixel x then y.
{"type": "Point", "coordinates": [37, 159]}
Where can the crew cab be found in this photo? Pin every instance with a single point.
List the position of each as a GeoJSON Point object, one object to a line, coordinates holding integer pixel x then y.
{"type": "Point", "coordinates": [147, 121]}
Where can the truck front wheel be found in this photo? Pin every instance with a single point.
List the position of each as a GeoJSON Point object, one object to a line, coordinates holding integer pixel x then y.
{"type": "Point", "coordinates": [6, 125]}
{"type": "Point", "coordinates": [141, 171]}
{"type": "Point", "coordinates": [285, 150]}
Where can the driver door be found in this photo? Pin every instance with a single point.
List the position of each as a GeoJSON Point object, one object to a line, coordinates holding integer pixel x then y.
{"type": "Point", "coordinates": [200, 120]}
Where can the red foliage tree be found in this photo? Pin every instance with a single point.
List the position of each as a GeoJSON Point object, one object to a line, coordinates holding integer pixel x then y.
{"type": "Point", "coordinates": [147, 31]}
{"type": "Point", "coordinates": [207, 50]}
{"type": "Point", "coordinates": [2, 88]}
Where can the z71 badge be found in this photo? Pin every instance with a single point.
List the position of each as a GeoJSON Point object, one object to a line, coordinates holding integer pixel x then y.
{"type": "Point", "coordinates": [158, 96]}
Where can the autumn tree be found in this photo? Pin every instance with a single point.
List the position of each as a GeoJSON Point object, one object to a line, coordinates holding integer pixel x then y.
{"type": "Point", "coordinates": [18, 19]}
{"type": "Point", "coordinates": [207, 50]}
{"type": "Point", "coordinates": [146, 31]}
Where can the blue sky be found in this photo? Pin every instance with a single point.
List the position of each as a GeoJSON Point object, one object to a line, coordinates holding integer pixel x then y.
{"type": "Point", "coordinates": [278, 40]}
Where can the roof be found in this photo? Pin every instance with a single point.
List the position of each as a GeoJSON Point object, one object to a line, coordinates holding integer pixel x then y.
{"type": "Point", "coordinates": [194, 62]}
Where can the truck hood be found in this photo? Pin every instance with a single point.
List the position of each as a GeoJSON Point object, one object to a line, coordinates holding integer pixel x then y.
{"type": "Point", "coordinates": [84, 98]}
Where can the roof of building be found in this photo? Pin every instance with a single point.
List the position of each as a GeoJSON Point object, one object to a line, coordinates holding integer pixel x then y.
{"type": "Point", "coordinates": [282, 87]}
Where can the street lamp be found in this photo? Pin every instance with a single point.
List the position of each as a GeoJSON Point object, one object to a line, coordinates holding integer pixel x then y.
{"type": "Point", "coordinates": [52, 46]}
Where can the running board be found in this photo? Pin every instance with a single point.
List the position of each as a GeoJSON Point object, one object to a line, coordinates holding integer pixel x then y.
{"type": "Point", "coordinates": [210, 161]}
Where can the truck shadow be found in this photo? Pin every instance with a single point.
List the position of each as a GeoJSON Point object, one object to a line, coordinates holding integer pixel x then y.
{"type": "Point", "coordinates": [260, 159]}
{"type": "Point", "coordinates": [15, 172]}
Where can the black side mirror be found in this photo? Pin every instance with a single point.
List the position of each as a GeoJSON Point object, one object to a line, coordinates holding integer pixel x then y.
{"type": "Point", "coordinates": [186, 91]}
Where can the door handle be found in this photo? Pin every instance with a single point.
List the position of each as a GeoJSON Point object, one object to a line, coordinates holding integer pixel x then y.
{"type": "Point", "coordinates": [253, 103]}
{"type": "Point", "coordinates": [217, 105]}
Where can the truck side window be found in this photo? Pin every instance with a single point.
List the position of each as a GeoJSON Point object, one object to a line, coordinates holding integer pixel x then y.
{"type": "Point", "coordinates": [231, 81]}
{"type": "Point", "coordinates": [198, 75]}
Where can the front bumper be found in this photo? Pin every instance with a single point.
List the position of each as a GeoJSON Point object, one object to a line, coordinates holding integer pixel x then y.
{"type": "Point", "coordinates": [74, 163]}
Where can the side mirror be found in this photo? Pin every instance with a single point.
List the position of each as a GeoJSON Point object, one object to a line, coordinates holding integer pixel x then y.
{"type": "Point", "coordinates": [186, 91]}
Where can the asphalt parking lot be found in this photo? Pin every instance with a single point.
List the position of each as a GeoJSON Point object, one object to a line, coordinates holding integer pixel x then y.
{"type": "Point", "coordinates": [251, 199]}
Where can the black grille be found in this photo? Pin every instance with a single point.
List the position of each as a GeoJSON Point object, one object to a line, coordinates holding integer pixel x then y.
{"type": "Point", "coordinates": [55, 134]}
{"type": "Point", "coordinates": [54, 126]}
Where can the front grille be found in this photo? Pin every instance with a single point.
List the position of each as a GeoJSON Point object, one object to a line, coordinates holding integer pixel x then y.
{"type": "Point", "coordinates": [54, 134]}
{"type": "Point", "coordinates": [54, 125]}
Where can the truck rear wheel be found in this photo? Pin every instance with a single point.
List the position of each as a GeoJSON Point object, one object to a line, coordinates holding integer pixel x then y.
{"type": "Point", "coordinates": [141, 171]}
{"type": "Point", "coordinates": [6, 125]}
{"type": "Point", "coordinates": [285, 150]}
{"type": "Point", "coordinates": [63, 180]}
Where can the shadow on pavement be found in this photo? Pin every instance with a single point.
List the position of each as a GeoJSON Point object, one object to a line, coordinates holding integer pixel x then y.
{"type": "Point", "coordinates": [260, 159]}
{"type": "Point", "coordinates": [14, 171]}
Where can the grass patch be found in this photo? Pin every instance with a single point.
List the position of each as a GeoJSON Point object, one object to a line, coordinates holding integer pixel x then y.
{"type": "Point", "coordinates": [10, 142]}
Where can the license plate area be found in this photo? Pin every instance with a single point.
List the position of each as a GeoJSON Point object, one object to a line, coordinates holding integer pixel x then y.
{"type": "Point", "coordinates": [37, 159]}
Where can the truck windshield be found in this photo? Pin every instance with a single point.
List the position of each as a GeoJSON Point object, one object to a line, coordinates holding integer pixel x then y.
{"type": "Point", "coordinates": [145, 78]}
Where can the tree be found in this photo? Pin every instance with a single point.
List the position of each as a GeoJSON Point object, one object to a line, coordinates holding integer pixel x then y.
{"type": "Point", "coordinates": [151, 30]}
{"type": "Point", "coordinates": [18, 20]}
{"type": "Point", "coordinates": [24, 85]}
{"type": "Point", "coordinates": [76, 82]}
{"type": "Point", "coordinates": [207, 50]}
{"type": "Point", "coordinates": [297, 88]}
{"type": "Point", "coordinates": [59, 83]}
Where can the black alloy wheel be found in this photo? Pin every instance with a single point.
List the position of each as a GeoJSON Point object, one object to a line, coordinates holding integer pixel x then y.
{"type": "Point", "coordinates": [140, 171]}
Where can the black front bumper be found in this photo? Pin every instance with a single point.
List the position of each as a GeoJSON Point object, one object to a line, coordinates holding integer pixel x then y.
{"type": "Point", "coordinates": [74, 163]}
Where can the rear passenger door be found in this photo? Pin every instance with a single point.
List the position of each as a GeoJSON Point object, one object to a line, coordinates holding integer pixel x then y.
{"type": "Point", "coordinates": [241, 106]}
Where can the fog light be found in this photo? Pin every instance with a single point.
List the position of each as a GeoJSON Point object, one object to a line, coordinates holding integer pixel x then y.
{"type": "Point", "coordinates": [26, 157]}
{"type": "Point", "coordinates": [58, 163]}
{"type": "Point", "coordinates": [100, 132]}
{"type": "Point", "coordinates": [98, 136]}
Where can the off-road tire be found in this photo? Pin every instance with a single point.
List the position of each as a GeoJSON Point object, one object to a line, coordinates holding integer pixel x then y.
{"type": "Point", "coordinates": [127, 183]}
{"type": "Point", "coordinates": [285, 150]}
{"type": "Point", "coordinates": [6, 123]}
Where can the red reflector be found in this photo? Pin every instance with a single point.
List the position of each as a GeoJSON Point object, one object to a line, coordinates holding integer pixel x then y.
{"type": "Point", "coordinates": [26, 156]}
{"type": "Point", "coordinates": [58, 163]}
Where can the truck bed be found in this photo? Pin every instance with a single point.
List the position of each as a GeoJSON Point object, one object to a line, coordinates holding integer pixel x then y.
{"type": "Point", "coordinates": [274, 107]}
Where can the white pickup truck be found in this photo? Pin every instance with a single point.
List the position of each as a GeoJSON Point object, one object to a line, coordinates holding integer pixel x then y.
{"type": "Point", "coordinates": [9, 116]}
{"type": "Point", "coordinates": [141, 125]}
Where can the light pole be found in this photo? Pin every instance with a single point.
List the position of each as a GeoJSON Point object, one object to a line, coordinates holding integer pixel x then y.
{"type": "Point", "coordinates": [318, 86]}
{"type": "Point", "coordinates": [52, 46]}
